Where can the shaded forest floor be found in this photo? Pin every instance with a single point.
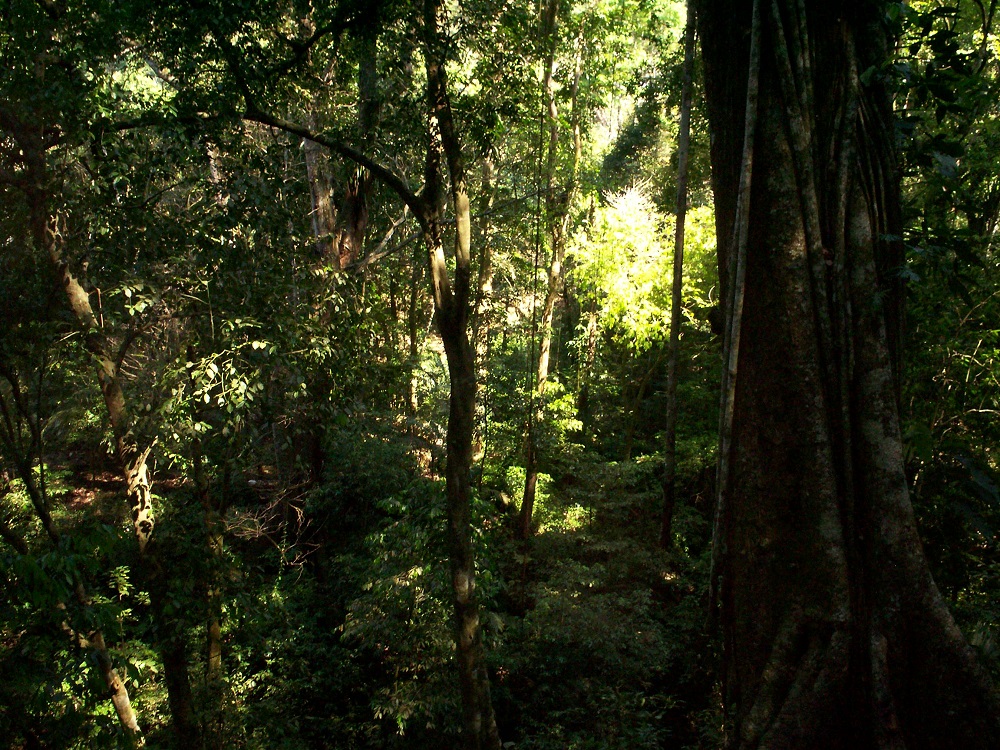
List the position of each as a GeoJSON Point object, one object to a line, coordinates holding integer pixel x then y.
{"type": "Point", "coordinates": [338, 633]}
{"type": "Point", "coordinates": [605, 642]}
{"type": "Point", "coordinates": [337, 628]}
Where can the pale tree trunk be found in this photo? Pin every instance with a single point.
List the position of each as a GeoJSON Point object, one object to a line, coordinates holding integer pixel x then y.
{"type": "Point", "coordinates": [49, 232]}
{"type": "Point", "coordinates": [138, 485]}
{"type": "Point", "coordinates": [352, 219]}
{"type": "Point", "coordinates": [834, 633]}
{"type": "Point", "coordinates": [586, 371]}
{"type": "Point", "coordinates": [484, 288]}
{"type": "Point", "coordinates": [93, 641]}
{"type": "Point", "coordinates": [323, 216]}
{"type": "Point", "coordinates": [670, 431]}
{"type": "Point", "coordinates": [480, 318]}
{"type": "Point", "coordinates": [557, 214]}
{"type": "Point", "coordinates": [414, 308]}
{"type": "Point", "coordinates": [339, 232]}
{"type": "Point", "coordinates": [117, 693]}
{"type": "Point", "coordinates": [47, 236]}
{"type": "Point", "coordinates": [586, 366]}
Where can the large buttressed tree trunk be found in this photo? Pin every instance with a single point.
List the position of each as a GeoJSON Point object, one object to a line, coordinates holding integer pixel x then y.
{"type": "Point", "coordinates": [835, 635]}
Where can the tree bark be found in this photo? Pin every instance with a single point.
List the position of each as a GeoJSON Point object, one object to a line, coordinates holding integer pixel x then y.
{"type": "Point", "coordinates": [211, 590]}
{"type": "Point", "coordinates": [178, 682]}
{"type": "Point", "coordinates": [352, 219]}
{"type": "Point", "coordinates": [586, 369]}
{"type": "Point", "coordinates": [117, 692]}
{"type": "Point", "coordinates": [323, 216]}
{"type": "Point", "coordinates": [834, 633]}
{"type": "Point", "coordinates": [484, 288]}
{"type": "Point", "coordinates": [451, 303]}
{"type": "Point", "coordinates": [138, 485]}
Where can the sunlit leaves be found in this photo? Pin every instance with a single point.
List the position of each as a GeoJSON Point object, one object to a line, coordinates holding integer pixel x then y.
{"type": "Point", "coordinates": [625, 259]}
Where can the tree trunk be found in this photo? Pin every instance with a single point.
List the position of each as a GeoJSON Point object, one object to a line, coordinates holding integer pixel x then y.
{"type": "Point", "coordinates": [480, 318]}
{"type": "Point", "coordinates": [451, 303]}
{"type": "Point", "coordinates": [586, 370]}
{"type": "Point", "coordinates": [484, 288]}
{"type": "Point", "coordinates": [352, 219]}
{"type": "Point", "coordinates": [557, 215]}
{"type": "Point", "coordinates": [670, 431]}
{"type": "Point", "coordinates": [835, 635]}
{"type": "Point", "coordinates": [138, 485]}
{"type": "Point", "coordinates": [46, 233]}
{"type": "Point", "coordinates": [323, 216]}
{"type": "Point", "coordinates": [414, 308]}
{"type": "Point", "coordinates": [211, 587]}
{"type": "Point", "coordinates": [178, 683]}
{"type": "Point", "coordinates": [116, 691]}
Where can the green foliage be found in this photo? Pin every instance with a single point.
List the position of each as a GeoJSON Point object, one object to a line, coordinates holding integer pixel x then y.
{"type": "Point", "coordinates": [297, 412]}
{"type": "Point", "coordinates": [623, 261]}
{"type": "Point", "coordinates": [948, 75]}
{"type": "Point", "coordinates": [601, 635]}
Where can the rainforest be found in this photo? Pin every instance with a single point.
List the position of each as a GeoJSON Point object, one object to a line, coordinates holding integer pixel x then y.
{"type": "Point", "coordinates": [500, 374]}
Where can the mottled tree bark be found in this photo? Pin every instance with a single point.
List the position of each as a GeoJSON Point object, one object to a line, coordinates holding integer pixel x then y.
{"type": "Point", "coordinates": [323, 216]}
{"type": "Point", "coordinates": [835, 635]}
{"type": "Point", "coordinates": [211, 591]}
{"type": "Point", "coordinates": [45, 231]}
{"type": "Point", "coordinates": [24, 463]}
{"type": "Point", "coordinates": [138, 485]}
{"type": "Point", "coordinates": [352, 218]}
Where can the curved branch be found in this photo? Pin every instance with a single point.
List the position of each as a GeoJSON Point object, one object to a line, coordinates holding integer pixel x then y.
{"type": "Point", "coordinates": [387, 176]}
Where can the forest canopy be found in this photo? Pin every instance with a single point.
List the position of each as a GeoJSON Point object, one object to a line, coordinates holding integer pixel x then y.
{"type": "Point", "coordinates": [542, 374]}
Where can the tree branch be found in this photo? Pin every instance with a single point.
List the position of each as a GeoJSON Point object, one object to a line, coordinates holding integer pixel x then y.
{"type": "Point", "coordinates": [387, 176]}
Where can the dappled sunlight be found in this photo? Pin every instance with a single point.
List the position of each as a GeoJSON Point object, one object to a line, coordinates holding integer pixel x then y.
{"type": "Point", "coordinates": [368, 305]}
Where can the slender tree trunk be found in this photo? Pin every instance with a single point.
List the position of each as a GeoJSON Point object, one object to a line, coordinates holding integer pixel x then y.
{"type": "Point", "coordinates": [323, 216]}
{"type": "Point", "coordinates": [413, 326]}
{"type": "Point", "coordinates": [178, 682]}
{"type": "Point", "coordinates": [587, 369]}
{"type": "Point", "coordinates": [135, 474]}
{"type": "Point", "coordinates": [834, 633]}
{"type": "Point", "coordinates": [349, 237]}
{"type": "Point", "coordinates": [480, 319]}
{"type": "Point", "coordinates": [340, 234]}
{"type": "Point", "coordinates": [211, 586]}
{"type": "Point", "coordinates": [670, 431]}
{"type": "Point", "coordinates": [47, 235]}
{"type": "Point", "coordinates": [117, 692]}
{"type": "Point", "coordinates": [138, 485]}
{"type": "Point", "coordinates": [451, 302]}
{"type": "Point", "coordinates": [484, 289]}
{"type": "Point", "coordinates": [557, 215]}
{"type": "Point", "coordinates": [451, 305]}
